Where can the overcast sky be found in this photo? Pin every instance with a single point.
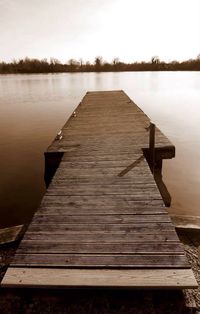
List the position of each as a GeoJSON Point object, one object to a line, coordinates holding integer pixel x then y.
{"type": "Point", "coordinates": [132, 30]}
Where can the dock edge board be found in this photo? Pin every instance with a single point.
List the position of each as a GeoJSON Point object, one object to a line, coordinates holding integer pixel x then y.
{"type": "Point", "coordinates": [99, 278]}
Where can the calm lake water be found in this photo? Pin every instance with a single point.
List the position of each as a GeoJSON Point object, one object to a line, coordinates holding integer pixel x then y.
{"type": "Point", "coordinates": [33, 109]}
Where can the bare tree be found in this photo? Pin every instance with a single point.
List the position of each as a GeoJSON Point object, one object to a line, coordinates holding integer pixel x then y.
{"type": "Point", "coordinates": [115, 61]}
{"type": "Point", "coordinates": [155, 60]}
{"type": "Point", "coordinates": [98, 63]}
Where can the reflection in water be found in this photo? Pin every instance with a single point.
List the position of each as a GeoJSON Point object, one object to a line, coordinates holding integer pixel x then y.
{"type": "Point", "coordinates": [33, 108]}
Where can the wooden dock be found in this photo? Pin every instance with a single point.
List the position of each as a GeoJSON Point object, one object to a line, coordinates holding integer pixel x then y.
{"type": "Point", "coordinates": [102, 221]}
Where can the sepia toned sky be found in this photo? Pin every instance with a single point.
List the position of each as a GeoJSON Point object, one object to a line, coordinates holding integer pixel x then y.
{"type": "Point", "coordinates": [133, 30]}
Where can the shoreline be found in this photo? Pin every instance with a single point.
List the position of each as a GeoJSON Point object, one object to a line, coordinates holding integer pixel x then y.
{"type": "Point", "coordinates": [111, 71]}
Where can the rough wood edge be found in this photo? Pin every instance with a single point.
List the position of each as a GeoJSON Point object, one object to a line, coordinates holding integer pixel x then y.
{"type": "Point", "coordinates": [11, 234]}
{"type": "Point", "coordinates": [186, 221]}
{"type": "Point", "coordinates": [102, 278]}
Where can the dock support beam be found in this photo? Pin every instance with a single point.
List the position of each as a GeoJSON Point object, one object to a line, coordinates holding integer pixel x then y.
{"type": "Point", "coordinates": [152, 146]}
{"type": "Point", "coordinates": [154, 157]}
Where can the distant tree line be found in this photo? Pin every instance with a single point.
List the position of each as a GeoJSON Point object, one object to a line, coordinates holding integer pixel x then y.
{"type": "Point", "coordinates": [28, 65]}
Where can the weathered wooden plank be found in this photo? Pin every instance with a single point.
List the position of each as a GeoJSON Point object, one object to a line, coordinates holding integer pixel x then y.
{"type": "Point", "coordinates": [145, 228]}
{"type": "Point", "coordinates": [118, 126]}
{"type": "Point", "coordinates": [105, 119]}
{"type": "Point", "coordinates": [116, 129]}
{"type": "Point", "coordinates": [100, 219]}
{"type": "Point", "coordinates": [92, 150]}
{"type": "Point", "coordinates": [105, 176]}
{"type": "Point", "coordinates": [137, 191]}
{"type": "Point", "coordinates": [131, 278]}
{"type": "Point", "coordinates": [138, 195]}
{"type": "Point", "coordinates": [106, 164]}
{"type": "Point", "coordinates": [102, 237]}
{"type": "Point", "coordinates": [99, 180]}
{"type": "Point", "coordinates": [61, 209]}
{"type": "Point", "coordinates": [66, 189]}
{"type": "Point", "coordinates": [86, 184]}
{"type": "Point", "coordinates": [116, 202]}
{"type": "Point", "coordinates": [23, 277]}
{"type": "Point", "coordinates": [113, 173]}
{"type": "Point", "coordinates": [109, 122]}
{"type": "Point", "coordinates": [101, 260]}
{"type": "Point", "coordinates": [137, 133]}
{"type": "Point", "coordinates": [113, 157]}
{"type": "Point", "coordinates": [76, 205]}
{"type": "Point", "coordinates": [137, 164]}
{"type": "Point", "coordinates": [140, 130]}
{"type": "Point", "coordinates": [172, 248]}
{"type": "Point", "coordinates": [109, 146]}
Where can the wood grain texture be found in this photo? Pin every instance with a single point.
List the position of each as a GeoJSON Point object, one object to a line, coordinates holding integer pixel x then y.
{"type": "Point", "coordinates": [99, 237]}
{"type": "Point", "coordinates": [131, 278]}
{"type": "Point", "coordinates": [53, 246]}
{"type": "Point", "coordinates": [99, 219]}
{"type": "Point", "coordinates": [144, 228]}
{"type": "Point", "coordinates": [101, 260]}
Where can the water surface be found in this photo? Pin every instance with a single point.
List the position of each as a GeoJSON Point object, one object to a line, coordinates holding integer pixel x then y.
{"type": "Point", "coordinates": [33, 108]}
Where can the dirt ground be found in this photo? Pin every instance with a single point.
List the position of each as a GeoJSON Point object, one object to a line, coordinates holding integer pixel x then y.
{"type": "Point", "coordinates": [104, 301]}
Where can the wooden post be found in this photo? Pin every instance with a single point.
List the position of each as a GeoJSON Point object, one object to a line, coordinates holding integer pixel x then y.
{"type": "Point", "coordinates": [152, 146]}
